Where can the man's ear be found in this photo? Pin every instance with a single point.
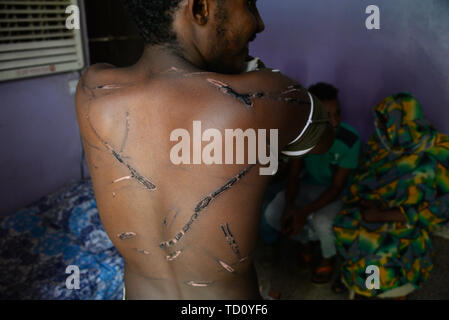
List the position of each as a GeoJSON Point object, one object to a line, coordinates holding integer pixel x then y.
{"type": "Point", "coordinates": [199, 11]}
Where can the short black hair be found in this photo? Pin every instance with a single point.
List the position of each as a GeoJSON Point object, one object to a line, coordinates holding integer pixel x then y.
{"type": "Point", "coordinates": [154, 19]}
{"type": "Point", "coordinates": [324, 91]}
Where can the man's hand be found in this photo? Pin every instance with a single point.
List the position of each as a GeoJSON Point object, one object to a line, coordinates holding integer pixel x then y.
{"type": "Point", "coordinates": [287, 218]}
{"type": "Point", "coordinates": [373, 212]}
{"type": "Point", "coordinates": [293, 221]}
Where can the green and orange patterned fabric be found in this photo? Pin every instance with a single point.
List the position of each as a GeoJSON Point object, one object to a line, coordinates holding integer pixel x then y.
{"type": "Point", "coordinates": [406, 167]}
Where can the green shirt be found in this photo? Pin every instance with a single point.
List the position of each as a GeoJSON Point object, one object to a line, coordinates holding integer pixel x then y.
{"type": "Point", "coordinates": [345, 152]}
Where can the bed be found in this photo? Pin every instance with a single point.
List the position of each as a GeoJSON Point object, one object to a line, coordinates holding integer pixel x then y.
{"type": "Point", "coordinates": [63, 229]}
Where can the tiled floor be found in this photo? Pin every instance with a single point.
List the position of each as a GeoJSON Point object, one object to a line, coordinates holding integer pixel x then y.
{"type": "Point", "coordinates": [292, 280]}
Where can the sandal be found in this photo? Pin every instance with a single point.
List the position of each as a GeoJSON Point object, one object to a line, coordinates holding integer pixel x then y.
{"type": "Point", "coordinates": [322, 274]}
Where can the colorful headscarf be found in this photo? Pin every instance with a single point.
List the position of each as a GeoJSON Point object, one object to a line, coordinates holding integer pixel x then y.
{"type": "Point", "coordinates": [407, 129]}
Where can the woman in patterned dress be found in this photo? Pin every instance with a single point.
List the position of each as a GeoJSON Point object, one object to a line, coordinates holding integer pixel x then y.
{"type": "Point", "coordinates": [399, 194]}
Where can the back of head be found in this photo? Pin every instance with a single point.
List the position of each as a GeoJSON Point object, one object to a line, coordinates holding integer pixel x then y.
{"type": "Point", "coordinates": [211, 35]}
{"type": "Point", "coordinates": [324, 91]}
{"type": "Point", "coordinates": [328, 95]}
{"type": "Point", "coordinates": [154, 19]}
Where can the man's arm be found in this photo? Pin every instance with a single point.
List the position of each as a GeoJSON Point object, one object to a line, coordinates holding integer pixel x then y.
{"type": "Point", "coordinates": [378, 215]}
{"type": "Point", "coordinates": [326, 142]}
{"type": "Point", "coordinates": [339, 182]}
{"type": "Point", "coordinates": [347, 162]}
{"type": "Point", "coordinates": [292, 184]}
{"type": "Point", "coordinates": [296, 218]}
{"type": "Point", "coordinates": [291, 190]}
{"type": "Point", "coordinates": [373, 212]}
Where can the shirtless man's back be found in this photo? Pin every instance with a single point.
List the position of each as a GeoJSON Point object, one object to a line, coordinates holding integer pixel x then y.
{"type": "Point", "coordinates": [186, 231]}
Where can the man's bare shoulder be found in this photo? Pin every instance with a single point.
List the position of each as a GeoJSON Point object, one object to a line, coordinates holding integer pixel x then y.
{"type": "Point", "coordinates": [95, 73]}
{"type": "Point", "coordinates": [90, 80]}
{"type": "Point", "coordinates": [106, 86]}
{"type": "Point", "coordinates": [101, 98]}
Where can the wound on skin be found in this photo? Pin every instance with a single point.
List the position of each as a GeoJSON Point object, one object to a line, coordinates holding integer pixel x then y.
{"type": "Point", "coordinates": [174, 255]}
{"type": "Point", "coordinates": [134, 174]}
{"type": "Point", "coordinates": [117, 155]}
{"type": "Point", "coordinates": [232, 265]}
{"type": "Point", "coordinates": [184, 73]}
{"type": "Point", "coordinates": [203, 204]}
{"type": "Point", "coordinates": [231, 240]}
{"type": "Point", "coordinates": [226, 266]}
{"type": "Point", "coordinates": [246, 99]}
{"type": "Point", "coordinates": [289, 90]}
{"type": "Point", "coordinates": [109, 86]}
{"type": "Point", "coordinates": [198, 284]}
{"type": "Point", "coordinates": [126, 235]}
{"type": "Point", "coordinates": [122, 179]}
{"type": "Point", "coordinates": [91, 145]}
{"type": "Point", "coordinates": [145, 252]}
{"type": "Point", "coordinates": [174, 218]}
{"type": "Point", "coordinates": [293, 88]}
{"type": "Point", "coordinates": [125, 138]}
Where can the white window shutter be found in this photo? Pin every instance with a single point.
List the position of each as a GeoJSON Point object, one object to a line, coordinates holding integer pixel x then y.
{"type": "Point", "coordinates": [34, 39]}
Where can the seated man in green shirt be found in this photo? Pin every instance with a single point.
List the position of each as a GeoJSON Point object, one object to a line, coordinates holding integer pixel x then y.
{"type": "Point", "coordinates": [307, 213]}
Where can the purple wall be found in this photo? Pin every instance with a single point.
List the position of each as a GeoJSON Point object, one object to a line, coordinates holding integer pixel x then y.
{"type": "Point", "coordinates": [326, 40]}
{"type": "Point", "coordinates": [40, 140]}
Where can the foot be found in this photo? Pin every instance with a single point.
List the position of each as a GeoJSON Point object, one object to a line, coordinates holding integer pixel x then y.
{"type": "Point", "coordinates": [305, 254]}
{"type": "Point", "coordinates": [274, 294]}
{"type": "Point", "coordinates": [323, 272]}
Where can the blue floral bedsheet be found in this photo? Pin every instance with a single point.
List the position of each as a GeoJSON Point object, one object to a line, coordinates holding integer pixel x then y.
{"type": "Point", "coordinates": [38, 243]}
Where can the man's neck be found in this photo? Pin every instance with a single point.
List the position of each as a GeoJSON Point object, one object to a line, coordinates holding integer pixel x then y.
{"type": "Point", "coordinates": [157, 58]}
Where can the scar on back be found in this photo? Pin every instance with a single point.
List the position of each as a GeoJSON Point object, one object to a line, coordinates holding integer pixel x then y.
{"type": "Point", "coordinates": [122, 179]}
{"type": "Point", "coordinates": [246, 99]}
{"type": "Point", "coordinates": [198, 284]}
{"type": "Point", "coordinates": [110, 86]}
{"type": "Point", "coordinates": [134, 174]}
{"type": "Point", "coordinates": [145, 252]}
{"type": "Point", "coordinates": [173, 256]}
{"type": "Point", "coordinates": [126, 235]}
{"type": "Point", "coordinates": [202, 205]}
{"type": "Point", "coordinates": [183, 72]}
{"type": "Point", "coordinates": [226, 266]}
